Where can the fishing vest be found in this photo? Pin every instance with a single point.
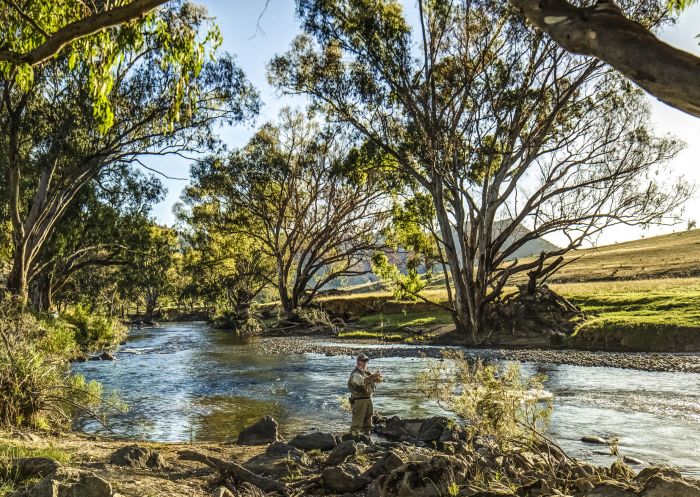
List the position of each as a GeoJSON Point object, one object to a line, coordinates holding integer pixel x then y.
{"type": "Point", "coordinates": [363, 392]}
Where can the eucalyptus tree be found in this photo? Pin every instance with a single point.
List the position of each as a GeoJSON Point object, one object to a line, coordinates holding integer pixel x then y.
{"type": "Point", "coordinates": [149, 273]}
{"type": "Point", "coordinates": [293, 190]}
{"type": "Point", "coordinates": [96, 235]}
{"type": "Point", "coordinates": [54, 141]}
{"type": "Point", "coordinates": [614, 34]}
{"type": "Point", "coordinates": [225, 270]}
{"type": "Point", "coordinates": [499, 126]}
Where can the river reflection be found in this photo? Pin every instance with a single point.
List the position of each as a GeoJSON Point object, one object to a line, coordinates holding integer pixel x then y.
{"type": "Point", "coordinates": [185, 382]}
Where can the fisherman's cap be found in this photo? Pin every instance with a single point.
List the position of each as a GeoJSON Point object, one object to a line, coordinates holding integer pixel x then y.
{"type": "Point", "coordinates": [362, 358]}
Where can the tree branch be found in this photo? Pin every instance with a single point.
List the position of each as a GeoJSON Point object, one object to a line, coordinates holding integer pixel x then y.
{"type": "Point", "coordinates": [666, 72]}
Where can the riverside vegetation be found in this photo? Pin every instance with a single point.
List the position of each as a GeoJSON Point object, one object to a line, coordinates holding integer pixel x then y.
{"type": "Point", "coordinates": [493, 447]}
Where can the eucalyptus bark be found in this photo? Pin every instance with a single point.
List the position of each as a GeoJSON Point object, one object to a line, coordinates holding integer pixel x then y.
{"type": "Point", "coordinates": [603, 31]}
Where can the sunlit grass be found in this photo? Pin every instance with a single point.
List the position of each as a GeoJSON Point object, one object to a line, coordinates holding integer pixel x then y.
{"type": "Point", "coordinates": [370, 335]}
{"type": "Point", "coordinates": [10, 452]}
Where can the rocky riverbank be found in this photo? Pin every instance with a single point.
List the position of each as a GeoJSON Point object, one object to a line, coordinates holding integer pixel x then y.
{"type": "Point", "coordinates": [689, 363]}
{"type": "Point", "coordinates": [432, 457]}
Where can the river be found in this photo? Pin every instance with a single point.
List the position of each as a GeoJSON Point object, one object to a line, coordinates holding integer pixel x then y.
{"type": "Point", "coordinates": [186, 382]}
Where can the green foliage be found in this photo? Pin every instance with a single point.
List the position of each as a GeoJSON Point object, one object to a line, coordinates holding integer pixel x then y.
{"type": "Point", "coordinates": [492, 401]}
{"type": "Point", "coordinates": [94, 332]}
{"type": "Point", "coordinates": [37, 389]}
{"type": "Point", "coordinates": [183, 32]}
{"type": "Point", "coordinates": [681, 5]}
{"type": "Point", "coordinates": [406, 286]}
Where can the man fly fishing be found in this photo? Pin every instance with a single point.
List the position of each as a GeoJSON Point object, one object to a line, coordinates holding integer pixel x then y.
{"type": "Point", "coordinates": [362, 384]}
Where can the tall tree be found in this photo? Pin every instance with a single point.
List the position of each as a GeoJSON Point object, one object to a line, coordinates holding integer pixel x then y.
{"type": "Point", "coordinates": [53, 144]}
{"type": "Point", "coordinates": [498, 125]}
{"type": "Point", "coordinates": [98, 231]}
{"type": "Point", "coordinates": [149, 273]}
{"type": "Point", "coordinates": [288, 189]}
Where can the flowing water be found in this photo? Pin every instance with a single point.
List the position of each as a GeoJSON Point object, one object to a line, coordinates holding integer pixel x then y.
{"type": "Point", "coordinates": [186, 382]}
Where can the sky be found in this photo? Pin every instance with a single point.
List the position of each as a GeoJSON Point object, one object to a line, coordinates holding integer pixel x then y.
{"type": "Point", "coordinates": [254, 32]}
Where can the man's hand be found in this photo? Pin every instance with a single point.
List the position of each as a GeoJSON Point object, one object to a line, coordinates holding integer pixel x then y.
{"type": "Point", "coordinates": [377, 377]}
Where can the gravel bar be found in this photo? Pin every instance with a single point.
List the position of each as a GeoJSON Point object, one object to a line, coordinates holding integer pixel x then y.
{"type": "Point", "coordinates": [673, 362]}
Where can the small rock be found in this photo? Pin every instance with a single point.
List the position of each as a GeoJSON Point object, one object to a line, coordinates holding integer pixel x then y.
{"type": "Point", "coordinates": [135, 456]}
{"type": "Point", "coordinates": [280, 460]}
{"type": "Point", "coordinates": [222, 492]}
{"type": "Point", "coordinates": [341, 452]}
{"type": "Point", "coordinates": [592, 439]}
{"type": "Point", "coordinates": [314, 440]}
{"type": "Point", "coordinates": [620, 471]}
{"type": "Point", "coordinates": [633, 460]}
{"type": "Point", "coordinates": [264, 431]}
{"type": "Point", "coordinates": [345, 478]}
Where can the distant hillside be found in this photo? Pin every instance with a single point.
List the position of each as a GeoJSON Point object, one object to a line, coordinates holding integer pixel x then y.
{"type": "Point", "coordinates": [529, 249]}
{"type": "Point", "coordinates": [667, 256]}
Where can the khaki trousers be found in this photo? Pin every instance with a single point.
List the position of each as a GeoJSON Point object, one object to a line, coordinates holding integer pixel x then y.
{"type": "Point", "coordinates": [362, 411]}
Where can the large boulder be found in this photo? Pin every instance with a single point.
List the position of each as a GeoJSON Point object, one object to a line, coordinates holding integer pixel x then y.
{"type": "Point", "coordinates": [29, 467]}
{"type": "Point", "coordinates": [280, 460]}
{"type": "Point", "coordinates": [662, 486]}
{"type": "Point", "coordinates": [435, 429]}
{"type": "Point", "coordinates": [345, 478]}
{"type": "Point", "coordinates": [647, 473]}
{"type": "Point", "coordinates": [314, 440]}
{"type": "Point", "coordinates": [136, 456]}
{"type": "Point", "coordinates": [432, 478]}
{"type": "Point", "coordinates": [69, 482]}
{"type": "Point", "coordinates": [341, 453]}
{"type": "Point", "coordinates": [264, 431]}
{"type": "Point", "coordinates": [610, 489]}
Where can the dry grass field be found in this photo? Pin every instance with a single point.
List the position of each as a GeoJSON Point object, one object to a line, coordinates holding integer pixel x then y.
{"type": "Point", "coordinates": [668, 256]}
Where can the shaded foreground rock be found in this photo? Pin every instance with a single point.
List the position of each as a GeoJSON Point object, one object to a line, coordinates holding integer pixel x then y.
{"type": "Point", "coordinates": [29, 467]}
{"type": "Point", "coordinates": [314, 440]}
{"type": "Point", "coordinates": [341, 452]}
{"type": "Point", "coordinates": [135, 456]}
{"type": "Point", "coordinates": [262, 432]}
{"type": "Point", "coordinates": [69, 482]}
{"type": "Point", "coordinates": [345, 478]}
{"type": "Point", "coordinates": [280, 460]}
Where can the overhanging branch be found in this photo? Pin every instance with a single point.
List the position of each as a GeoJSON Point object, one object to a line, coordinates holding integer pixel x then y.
{"type": "Point", "coordinates": [602, 31]}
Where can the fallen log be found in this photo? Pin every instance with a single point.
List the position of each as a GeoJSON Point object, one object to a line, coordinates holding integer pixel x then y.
{"type": "Point", "coordinates": [236, 471]}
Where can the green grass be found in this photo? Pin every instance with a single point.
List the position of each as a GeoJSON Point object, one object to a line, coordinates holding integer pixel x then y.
{"type": "Point", "coordinates": [645, 306]}
{"type": "Point", "coordinates": [10, 451]}
{"type": "Point", "coordinates": [370, 335]}
{"type": "Point", "coordinates": [401, 321]}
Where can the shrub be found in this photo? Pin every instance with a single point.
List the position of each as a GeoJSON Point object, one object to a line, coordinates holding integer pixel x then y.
{"type": "Point", "coordinates": [37, 389]}
{"type": "Point", "coordinates": [494, 402]}
{"type": "Point", "coordinates": [95, 332]}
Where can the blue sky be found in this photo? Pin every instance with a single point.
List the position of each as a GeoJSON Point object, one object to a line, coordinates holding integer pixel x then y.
{"type": "Point", "coordinates": [254, 34]}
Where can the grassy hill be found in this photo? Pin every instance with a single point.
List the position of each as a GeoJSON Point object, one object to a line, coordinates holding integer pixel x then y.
{"type": "Point", "coordinates": [668, 256]}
